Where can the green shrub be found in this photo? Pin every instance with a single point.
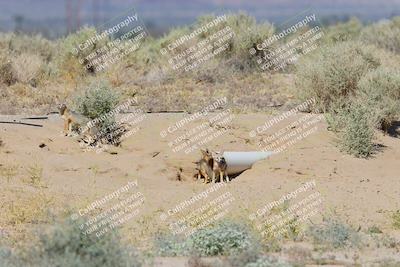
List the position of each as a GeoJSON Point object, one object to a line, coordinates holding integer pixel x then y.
{"type": "Point", "coordinates": [97, 103]}
{"type": "Point", "coordinates": [354, 123]}
{"type": "Point", "coordinates": [334, 234]}
{"type": "Point", "coordinates": [242, 258]}
{"type": "Point", "coordinates": [7, 258]}
{"type": "Point", "coordinates": [222, 239]}
{"type": "Point", "coordinates": [169, 245]}
{"type": "Point", "coordinates": [333, 73]}
{"type": "Point", "coordinates": [336, 115]}
{"type": "Point", "coordinates": [357, 136]}
{"type": "Point", "coordinates": [97, 100]}
{"type": "Point", "coordinates": [73, 61]}
{"type": "Point", "coordinates": [380, 92]}
{"type": "Point", "coordinates": [247, 35]}
{"type": "Point", "coordinates": [384, 34]}
{"type": "Point", "coordinates": [66, 245]}
{"type": "Point", "coordinates": [225, 238]}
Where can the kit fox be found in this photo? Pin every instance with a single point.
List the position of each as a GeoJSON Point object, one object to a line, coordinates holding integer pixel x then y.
{"type": "Point", "coordinates": [219, 168]}
{"type": "Point", "coordinates": [205, 166]}
{"type": "Point", "coordinates": [72, 120]}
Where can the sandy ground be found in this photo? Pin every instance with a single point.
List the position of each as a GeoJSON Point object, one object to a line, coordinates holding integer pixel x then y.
{"type": "Point", "coordinates": [361, 192]}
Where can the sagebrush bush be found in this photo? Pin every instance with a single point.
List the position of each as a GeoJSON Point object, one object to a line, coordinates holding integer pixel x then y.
{"type": "Point", "coordinates": [247, 35]}
{"type": "Point", "coordinates": [379, 90]}
{"type": "Point", "coordinates": [7, 75]}
{"type": "Point", "coordinates": [332, 74]}
{"type": "Point", "coordinates": [332, 233]}
{"type": "Point", "coordinates": [357, 135]}
{"type": "Point", "coordinates": [66, 245]}
{"type": "Point", "coordinates": [7, 258]}
{"type": "Point", "coordinates": [336, 115]}
{"type": "Point", "coordinates": [97, 103]}
{"type": "Point", "coordinates": [169, 245]}
{"type": "Point", "coordinates": [98, 99]}
{"type": "Point", "coordinates": [225, 238]}
{"type": "Point", "coordinates": [72, 60]}
{"type": "Point", "coordinates": [27, 68]}
{"type": "Point", "coordinates": [26, 59]}
{"type": "Point", "coordinates": [384, 34]}
{"type": "Point", "coordinates": [249, 255]}
{"type": "Point", "coordinates": [347, 31]}
{"type": "Point", "coordinates": [17, 44]}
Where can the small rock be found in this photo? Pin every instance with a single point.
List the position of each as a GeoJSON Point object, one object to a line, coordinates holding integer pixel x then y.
{"type": "Point", "coordinates": [42, 145]}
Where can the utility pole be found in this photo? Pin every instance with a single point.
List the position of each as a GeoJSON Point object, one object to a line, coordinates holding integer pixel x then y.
{"type": "Point", "coordinates": [73, 14]}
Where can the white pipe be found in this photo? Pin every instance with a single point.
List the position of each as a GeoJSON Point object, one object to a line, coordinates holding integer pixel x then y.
{"type": "Point", "coordinates": [240, 161]}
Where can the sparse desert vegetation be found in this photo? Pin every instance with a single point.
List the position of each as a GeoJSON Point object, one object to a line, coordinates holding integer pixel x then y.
{"type": "Point", "coordinates": [353, 76]}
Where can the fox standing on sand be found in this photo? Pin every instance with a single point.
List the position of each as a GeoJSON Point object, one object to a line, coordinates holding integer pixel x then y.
{"type": "Point", "coordinates": [220, 167]}
{"type": "Point", "coordinates": [205, 166]}
{"type": "Point", "coordinates": [72, 120]}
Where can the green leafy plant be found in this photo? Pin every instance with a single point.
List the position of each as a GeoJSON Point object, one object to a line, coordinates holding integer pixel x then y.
{"type": "Point", "coordinates": [97, 100]}
{"type": "Point", "coordinates": [224, 238]}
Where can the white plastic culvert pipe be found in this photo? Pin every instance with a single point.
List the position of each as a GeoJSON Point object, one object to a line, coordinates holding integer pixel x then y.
{"type": "Point", "coordinates": [240, 161]}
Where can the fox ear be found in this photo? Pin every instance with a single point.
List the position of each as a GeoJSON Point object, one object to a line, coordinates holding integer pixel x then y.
{"type": "Point", "coordinates": [62, 106]}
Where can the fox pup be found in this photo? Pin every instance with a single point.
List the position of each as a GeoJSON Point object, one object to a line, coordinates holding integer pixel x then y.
{"type": "Point", "coordinates": [220, 167]}
{"type": "Point", "coordinates": [72, 120]}
{"type": "Point", "coordinates": [205, 166]}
